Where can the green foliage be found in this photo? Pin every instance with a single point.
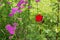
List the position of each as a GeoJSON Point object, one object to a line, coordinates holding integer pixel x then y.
{"type": "Point", "coordinates": [28, 28]}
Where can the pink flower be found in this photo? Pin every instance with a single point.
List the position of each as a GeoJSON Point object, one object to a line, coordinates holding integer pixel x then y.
{"type": "Point", "coordinates": [37, 0]}
{"type": "Point", "coordinates": [19, 11]}
{"type": "Point", "coordinates": [21, 6]}
{"type": "Point", "coordinates": [20, 2]}
{"type": "Point", "coordinates": [15, 24]}
{"type": "Point", "coordinates": [14, 10]}
{"type": "Point", "coordinates": [11, 29]}
{"type": "Point", "coordinates": [25, 2]}
{"type": "Point", "coordinates": [11, 14]}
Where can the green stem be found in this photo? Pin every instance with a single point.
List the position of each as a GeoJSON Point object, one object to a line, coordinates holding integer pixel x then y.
{"type": "Point", "coordinates": [37, 7]}
{"type": "Point", "coordinates": [57, 20]}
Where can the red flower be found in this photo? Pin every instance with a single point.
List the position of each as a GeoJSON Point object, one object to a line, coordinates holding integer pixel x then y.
{"type": "Point", "coordinates": [39, 18]}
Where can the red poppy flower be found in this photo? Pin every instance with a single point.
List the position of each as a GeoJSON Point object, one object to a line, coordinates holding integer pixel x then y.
{"type": "Point", "coordinates": [39, 18]}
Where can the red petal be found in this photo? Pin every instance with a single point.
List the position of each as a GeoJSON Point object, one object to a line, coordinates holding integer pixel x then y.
{"type": "Point", "coordinates": [39, 18]}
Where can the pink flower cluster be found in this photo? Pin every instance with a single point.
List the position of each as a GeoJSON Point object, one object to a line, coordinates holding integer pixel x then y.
{"type": "Point", "coordinates": [14, 10]}
{"type": "Point", "coordinates": [11, 28]}
{"type": "Point", "coordinates": [21, 2]}
{"type": "Point", "coordinates": [19, 5]}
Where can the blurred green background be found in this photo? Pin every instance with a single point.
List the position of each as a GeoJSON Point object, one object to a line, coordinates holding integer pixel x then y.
{"type": "Point", "coordinates": [28, 28]}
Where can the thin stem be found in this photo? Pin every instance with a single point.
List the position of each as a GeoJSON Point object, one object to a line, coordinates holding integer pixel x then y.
{"type": "Point", "coordinates": [57, 20]}
{"type": "Point", "coordinates": [47, 36]}
{"type": "Point", "coordinates": [37, 7]}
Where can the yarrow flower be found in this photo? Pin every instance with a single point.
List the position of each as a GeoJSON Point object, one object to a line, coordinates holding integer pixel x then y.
{"type": "Point", "coordinates": [39, 18]}
{"type": "Point", "coordinates": [11, 29]}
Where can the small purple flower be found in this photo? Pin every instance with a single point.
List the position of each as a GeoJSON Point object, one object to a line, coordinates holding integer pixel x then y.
{"type": "Point", "coordinates": [37, 0]}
